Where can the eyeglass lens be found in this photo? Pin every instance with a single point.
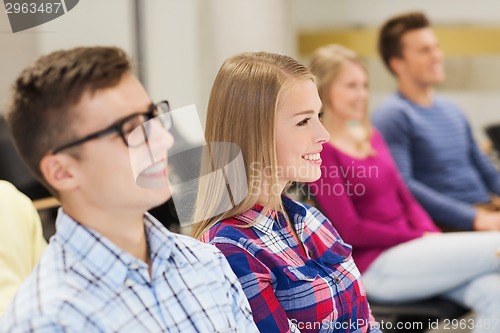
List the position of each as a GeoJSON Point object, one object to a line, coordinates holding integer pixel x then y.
{"type": "Point", "coordinates": [139, 129]}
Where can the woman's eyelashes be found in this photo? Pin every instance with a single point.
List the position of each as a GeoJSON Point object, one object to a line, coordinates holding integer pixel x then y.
{"type": "Point", "coordinates": [306, 120]}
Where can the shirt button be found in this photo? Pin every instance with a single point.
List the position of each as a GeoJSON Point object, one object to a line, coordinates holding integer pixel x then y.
{"type": "Point", "coordinates": [310, 253]}
{"type": "Point", "coordinates": [129, 283]}
{"type": "Point", "coordinates": [336, 280]}
{"type": "Point", "coordinates": [133, 266]}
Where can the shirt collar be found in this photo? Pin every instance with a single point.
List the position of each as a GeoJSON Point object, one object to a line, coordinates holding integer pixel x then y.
{"type": "Point", "coordinates": [266, 222]}
{"type": "Point", "coordinates": [101, 258]}
{"type": "Point", "coordinates": [162, 242]}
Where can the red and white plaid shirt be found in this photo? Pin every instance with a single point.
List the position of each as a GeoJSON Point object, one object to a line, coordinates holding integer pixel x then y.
{"type": "Point", "coordinates": [291, 289]}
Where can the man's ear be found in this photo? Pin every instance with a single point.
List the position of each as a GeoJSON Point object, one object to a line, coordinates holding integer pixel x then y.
{"type": "Point", "coordinates": [59, 171]}
{"type": "Point", "coordinates": [396, 65]}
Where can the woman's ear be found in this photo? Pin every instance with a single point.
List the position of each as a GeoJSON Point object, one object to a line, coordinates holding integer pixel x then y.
{"type": "Point", "coordinates": [58, 171]}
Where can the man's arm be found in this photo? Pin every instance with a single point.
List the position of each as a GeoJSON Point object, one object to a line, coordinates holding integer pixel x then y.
{"type": "Point", "coordinates": [485, 167]}
{"type": "Point", "coordinates": [396, 130]}
{"type": "Point", "coordinates": [21, 240]}
{"type": "Point", "coordinates": [255, 281]}
{"type": "Point", "coordinates": [240, 306]}
{"type": "Point", "coordinates": [37, 324]}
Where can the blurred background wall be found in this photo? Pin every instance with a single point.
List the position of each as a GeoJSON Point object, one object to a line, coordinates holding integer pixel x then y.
{"type": "Point", "coordinates": [179, 45]}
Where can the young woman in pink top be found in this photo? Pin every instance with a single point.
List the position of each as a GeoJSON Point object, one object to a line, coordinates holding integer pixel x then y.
{"type": "Point", "coordinates": [403, 256]}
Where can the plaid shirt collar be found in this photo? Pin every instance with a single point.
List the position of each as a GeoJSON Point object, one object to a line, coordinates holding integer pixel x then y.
{"type": "Point", "coordinates": [274, 220]}
{"type": "Point", "coordinates": [92, 253]}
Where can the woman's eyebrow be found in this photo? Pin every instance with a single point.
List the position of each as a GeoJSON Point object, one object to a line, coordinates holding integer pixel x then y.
{"type": "Point", "coordinates": [304, 112]}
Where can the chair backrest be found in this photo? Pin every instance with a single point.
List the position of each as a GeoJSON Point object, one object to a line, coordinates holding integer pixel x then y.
{"type": "Point", "coordinates": [493, 132]}
{"type": "Point", "coordinates": [13, 168]}
{"type": "Point", "coordinates": [417, 315]}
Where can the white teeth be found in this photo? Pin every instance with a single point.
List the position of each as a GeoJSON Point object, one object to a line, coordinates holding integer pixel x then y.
{"type": "Point", "coordinates": [312, 157]}
{"type": "Point", "coordinates": [155, 168]}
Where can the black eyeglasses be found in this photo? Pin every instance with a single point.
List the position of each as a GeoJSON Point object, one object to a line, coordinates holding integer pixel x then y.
{"type": "Point", "coordinates": [128, 124]}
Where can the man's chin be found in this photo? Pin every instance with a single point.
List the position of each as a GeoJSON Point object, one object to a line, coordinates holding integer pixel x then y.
{"type": "Point", "coordinates": [437, 78]}
{"type": "Point", "coordinates": [148, 182]}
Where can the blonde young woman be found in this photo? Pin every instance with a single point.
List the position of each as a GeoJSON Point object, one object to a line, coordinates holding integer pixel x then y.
{"type": "Point", "coordinates": [401, 253]}
{"type": "Point", "coordinates": [296, 271]}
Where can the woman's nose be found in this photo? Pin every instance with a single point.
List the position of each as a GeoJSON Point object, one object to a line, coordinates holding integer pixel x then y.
{"type": "Point", "coordinates": [323, 134]}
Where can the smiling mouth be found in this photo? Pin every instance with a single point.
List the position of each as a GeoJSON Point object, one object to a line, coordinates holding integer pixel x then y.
{"type": "Point", "coordinates": [157, 170]}
{"type": "Point", "coordinates": [312, 157]}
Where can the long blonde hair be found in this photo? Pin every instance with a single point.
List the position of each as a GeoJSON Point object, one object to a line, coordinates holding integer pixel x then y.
{"type": "Point", "coordinates": [241, 110]}
{"type": "Point", "coordinates": [326, 64]}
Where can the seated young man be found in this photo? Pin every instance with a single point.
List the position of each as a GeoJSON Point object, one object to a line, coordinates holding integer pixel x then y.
{"type": "Point", "coordinates": [21, 240]}
{"type": "Point", "coordinates": [110, 267]}
{"type": "Point", "coordinates": [428, 135]}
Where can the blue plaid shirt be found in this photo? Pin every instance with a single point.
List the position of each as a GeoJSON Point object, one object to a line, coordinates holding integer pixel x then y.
{"type": "Point", "coordinates": [293, 289]}
{"type": "Point", "coordinates": [85, 283]}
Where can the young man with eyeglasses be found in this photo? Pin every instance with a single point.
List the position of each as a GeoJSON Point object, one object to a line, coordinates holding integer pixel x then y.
{"type": "Point", "coordinates": [88, 130]}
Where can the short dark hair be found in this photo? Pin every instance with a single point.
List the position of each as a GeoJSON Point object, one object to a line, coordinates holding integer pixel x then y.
{"type": "Point", "coordinates": [40, 115]}
{"type": "Point", "coordinates": [392, 31]}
